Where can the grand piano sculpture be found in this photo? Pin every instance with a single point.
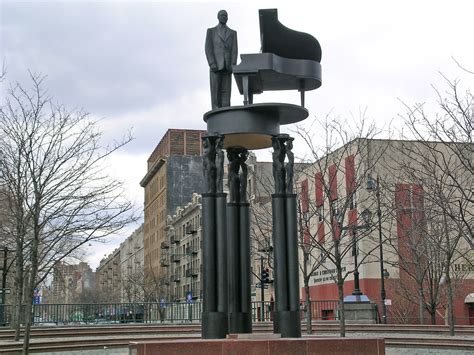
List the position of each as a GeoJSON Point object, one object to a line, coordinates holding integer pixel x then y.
{"type": "Point", "coordinates": [290, 60]}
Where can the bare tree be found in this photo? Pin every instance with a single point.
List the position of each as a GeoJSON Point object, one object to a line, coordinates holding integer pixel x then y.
{"type": "Point", "coordinates": [132, 285]}
{"type": "Point", "coordinates": [442, 164]}
{"type": "Point", "coordinates": [335, 149]}
{"type": "Point", "coordinates": [52, 171]}
{"type": "Point", "coordinates": [418, 256]}
{"type": "Point", "coordinates": [309, 264]}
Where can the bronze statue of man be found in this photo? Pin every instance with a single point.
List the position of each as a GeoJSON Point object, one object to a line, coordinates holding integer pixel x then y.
{"type": "Point", "coordinates": [221, 53]}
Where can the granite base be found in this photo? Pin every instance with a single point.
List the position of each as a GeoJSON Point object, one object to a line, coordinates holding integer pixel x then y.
{"type": "Point", "coordinates": [283, 346]}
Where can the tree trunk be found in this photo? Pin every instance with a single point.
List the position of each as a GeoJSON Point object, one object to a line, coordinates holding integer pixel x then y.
{"type": "Point", "coordinates": [421, 306]}
{"type": "Point", "coordinates": [449, 290]}
{"type": "Point", "coordinates": [433, 316]}
{"type": "Point", "coordinates": [31, 286]}
{"type": "Point", "coordinates": [309, 325]}
{"type": "Point", "coordinates": [19, 287]}
{"type": "Point", "coordinates": [29, 309]}
{"type": "Point", "coordinates": [342, 316]}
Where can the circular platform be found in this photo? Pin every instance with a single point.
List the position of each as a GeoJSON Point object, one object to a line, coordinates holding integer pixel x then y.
{"type": "Point", "coordinates": [252, 126]}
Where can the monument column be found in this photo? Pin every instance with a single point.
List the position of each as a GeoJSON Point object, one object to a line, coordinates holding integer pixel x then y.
{"type": "Point", "coordinates": [214, 243]}
{"type": "Point", "coordinates": [287, 320]}
{"type": "Point", "coordinates": [238, 239]}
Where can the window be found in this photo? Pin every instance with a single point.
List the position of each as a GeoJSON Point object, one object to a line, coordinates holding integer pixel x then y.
{"type": "Point", "coordinates": [352, 200]}
{"type": "Point", "coordinates": [304, 196]}
{"type": "Point", "coordinates": [335, 209]}
{"type": "Point", "coordinates": [332, 172]}
{"type": "Point", "coordinates": [327, 314]}
{"type": "Point", "coordinates": [320, 212]}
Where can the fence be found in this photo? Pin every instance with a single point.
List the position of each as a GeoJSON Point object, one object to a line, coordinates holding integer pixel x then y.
{"type": "Point", "coordinates": [175, 312]}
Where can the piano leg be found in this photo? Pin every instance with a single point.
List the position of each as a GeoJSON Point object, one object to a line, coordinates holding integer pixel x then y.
{"type": "Point", "coordinates": [302, 92]}
{"type": "Point", "coordinates": [245, 87]}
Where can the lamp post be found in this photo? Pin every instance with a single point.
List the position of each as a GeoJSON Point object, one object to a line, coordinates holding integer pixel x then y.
{"type": "Point", "coordinates": [264, 278]}
{"type": "Point", "coordinates": [4, 286]}
{"type": "Point", "coordinates": [366, 217]}
{"type": "Point", "coordinates": [262, 290]}
{"type": "Point", "coordinates": [371, 185]}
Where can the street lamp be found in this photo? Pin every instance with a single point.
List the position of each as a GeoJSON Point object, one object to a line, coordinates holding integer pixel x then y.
{"type": "Point", "coordinates": [264, 279]}
{"type": "Point", "coordinates": [366, 217]}
{"type": "Point", "coordinates": [371, 186]}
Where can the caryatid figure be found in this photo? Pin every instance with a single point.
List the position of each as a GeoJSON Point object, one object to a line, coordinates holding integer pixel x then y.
{"type": "Point", "coordinates": [278, 157]}
{"type": "Point", "coordinates": [289, 166]}
{"type": "Point", "coordinates": [220, 164]}
{"type": "Point", "coordinates": [209, 163]}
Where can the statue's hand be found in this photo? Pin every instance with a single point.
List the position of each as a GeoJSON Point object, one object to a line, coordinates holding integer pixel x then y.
{"type": "Point", "coordinates": [213, 67]}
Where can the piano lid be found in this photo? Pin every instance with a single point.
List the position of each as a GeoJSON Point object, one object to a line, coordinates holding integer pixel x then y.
{"type": "Point", "coordinates": [280, 40]}
{"type": "Point", "coordinates": [290, 60]}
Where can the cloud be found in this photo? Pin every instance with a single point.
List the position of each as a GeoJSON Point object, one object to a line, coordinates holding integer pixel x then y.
{"type": "Point", "coordinates": [141, 65]}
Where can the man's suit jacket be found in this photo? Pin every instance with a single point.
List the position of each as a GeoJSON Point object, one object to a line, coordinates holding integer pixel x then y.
{"type": "Point", "coordinates": [221, 50]}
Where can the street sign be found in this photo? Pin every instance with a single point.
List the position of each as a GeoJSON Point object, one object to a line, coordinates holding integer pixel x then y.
{"type": "Point", "coordinates": [258, 285]}
{"type": "Point", "coordinates": [162, 303]}
{"type": "Point", "coordinates": [388, 302]}
{"type": "Point", "coordinates": [5, 290]}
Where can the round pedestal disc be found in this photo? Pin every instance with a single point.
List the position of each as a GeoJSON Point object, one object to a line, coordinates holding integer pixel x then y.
{"type": "Point", "coordinates": [252, 126]}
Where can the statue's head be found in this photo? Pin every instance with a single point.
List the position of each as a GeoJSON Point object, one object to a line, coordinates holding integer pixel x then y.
{"type": "Point", "coordinates": [222, 17]}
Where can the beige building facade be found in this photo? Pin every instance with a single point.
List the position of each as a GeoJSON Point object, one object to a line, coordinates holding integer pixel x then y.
{"type": "Point", "coordinates": [109, 278]}
{"type": "Point", "coordinates": [132, 267]}
{"type": "Point", "coordinates": [182, 252]}
{"type": "Point", "coordinates": [336, 191]}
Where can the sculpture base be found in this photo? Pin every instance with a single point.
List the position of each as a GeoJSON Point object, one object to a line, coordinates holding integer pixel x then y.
{"type": "Point", "coordinates": [360, 312]}
{"type": "Point", "coordinates": [316, 346]}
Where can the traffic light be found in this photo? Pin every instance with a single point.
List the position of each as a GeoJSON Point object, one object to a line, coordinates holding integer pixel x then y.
{"type": "Point", "coordinates": [265, 276]}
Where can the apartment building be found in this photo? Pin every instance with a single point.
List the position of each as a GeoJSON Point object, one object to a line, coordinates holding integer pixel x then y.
{"type": "Point", "coordinates": [174, 174]}
{"type": "Point", "coordinates": [132, 267]}
{"type": "Point", "coordinates": [109, 278]}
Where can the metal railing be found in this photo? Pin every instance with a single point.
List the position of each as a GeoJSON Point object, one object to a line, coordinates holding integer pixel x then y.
{"type": "Point", "coordinates": [170, 312]}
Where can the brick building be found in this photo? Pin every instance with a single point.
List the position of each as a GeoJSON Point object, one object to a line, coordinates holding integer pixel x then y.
{"type": "Point", "coordinates": [72, 284]}
{"type": "Point", "coordinates": [174, 174]}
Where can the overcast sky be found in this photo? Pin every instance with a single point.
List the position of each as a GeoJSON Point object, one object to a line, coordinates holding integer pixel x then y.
{"type": "Point", "coordinates": [141, 65]}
